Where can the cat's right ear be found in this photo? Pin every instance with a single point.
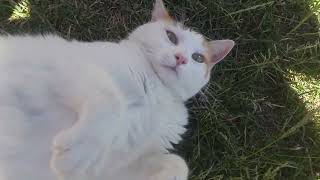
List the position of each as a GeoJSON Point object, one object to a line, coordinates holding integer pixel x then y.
{"type": "Point", "coordinates": [219, 49]}
{"type": "Point", "coordinates": [159, 12]}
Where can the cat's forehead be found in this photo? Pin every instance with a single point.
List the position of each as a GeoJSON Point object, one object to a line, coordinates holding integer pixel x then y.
{"type": "Point", "coordinates": [187, 34]}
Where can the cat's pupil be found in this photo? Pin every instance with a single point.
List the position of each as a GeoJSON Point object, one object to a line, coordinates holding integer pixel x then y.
{"type": "Point", "coordinates": [198, 57]}
{"type": "Point", "coordinates": [172, 37]}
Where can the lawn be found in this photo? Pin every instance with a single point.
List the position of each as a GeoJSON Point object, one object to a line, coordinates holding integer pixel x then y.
{"type": "Point", "coordinates": [259, 117]}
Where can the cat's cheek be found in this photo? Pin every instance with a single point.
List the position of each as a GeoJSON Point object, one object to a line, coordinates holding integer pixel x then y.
{"type": "Point", "coordinates": [207, 71]}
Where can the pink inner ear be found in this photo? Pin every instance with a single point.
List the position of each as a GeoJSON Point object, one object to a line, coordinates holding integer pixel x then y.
{"type": "Point", "coordinates": [159, 11]}
{"type": "Point", "coordinates": [220, 49]}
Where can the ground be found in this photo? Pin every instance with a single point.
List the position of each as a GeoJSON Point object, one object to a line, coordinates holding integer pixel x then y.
{"type": "Point", "coordinates": [259, 117]}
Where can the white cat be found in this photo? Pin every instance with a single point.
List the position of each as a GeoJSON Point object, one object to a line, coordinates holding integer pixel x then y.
{"type": "Point", "coordinates": [73, 110]}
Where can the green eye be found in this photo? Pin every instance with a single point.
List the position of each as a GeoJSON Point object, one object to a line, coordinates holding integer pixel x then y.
{"type": "Point", "coordinates": [172, 37]}
{"type": "Point", "coordinates": [198, 57]}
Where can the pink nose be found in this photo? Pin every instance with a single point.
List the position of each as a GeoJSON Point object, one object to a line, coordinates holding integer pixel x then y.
{"type": "Point", "coordinates": [180, 59]}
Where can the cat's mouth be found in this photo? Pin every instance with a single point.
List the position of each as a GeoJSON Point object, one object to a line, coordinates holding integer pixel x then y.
{"type": "Point", "coordinates": [165, 70]}
{"type": "Point", "coordinates": [174, 69]}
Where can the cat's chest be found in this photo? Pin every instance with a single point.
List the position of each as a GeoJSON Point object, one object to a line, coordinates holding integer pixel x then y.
{"type": "Point", "coordinates": [155, 116]}
{"type": "Point", "coordinates": [152, 111]}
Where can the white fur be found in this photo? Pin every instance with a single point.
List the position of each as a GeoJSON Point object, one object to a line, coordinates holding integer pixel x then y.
{"type": "Point", "coordinates": [76, 110]}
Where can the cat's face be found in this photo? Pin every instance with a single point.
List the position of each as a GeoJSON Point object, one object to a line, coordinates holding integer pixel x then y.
{"type": "Point", "coordinates": [181, 58]}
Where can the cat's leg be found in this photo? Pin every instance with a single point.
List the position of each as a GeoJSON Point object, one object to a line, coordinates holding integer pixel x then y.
{"type": "Point", "coordinates": [166, 167]}
{"type": "Point", "coordinates": [79, 153]}
{"type": "Point", "coordinates": [155, 167]}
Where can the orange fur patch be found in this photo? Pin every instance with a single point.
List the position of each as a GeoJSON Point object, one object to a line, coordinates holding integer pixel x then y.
{"type": "Point", "coordinates": [167, 17]}
{"type": "Point", "coordinates": [207, 56]}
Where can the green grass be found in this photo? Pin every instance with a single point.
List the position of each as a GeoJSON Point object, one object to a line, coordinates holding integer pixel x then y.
{"type": "Point", "coordinates": [259, 117]}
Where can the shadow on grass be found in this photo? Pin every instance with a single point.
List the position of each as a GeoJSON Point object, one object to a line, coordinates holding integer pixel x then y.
{"type": "Point", "coordinates": [250, 123]}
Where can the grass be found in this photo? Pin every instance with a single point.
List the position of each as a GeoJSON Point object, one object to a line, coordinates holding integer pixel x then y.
{"type": "Point", "coordinates": [259, 117]}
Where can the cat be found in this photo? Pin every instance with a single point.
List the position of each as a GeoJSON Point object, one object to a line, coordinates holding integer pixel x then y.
{"type": "Point", "coordinates": [73, 110]}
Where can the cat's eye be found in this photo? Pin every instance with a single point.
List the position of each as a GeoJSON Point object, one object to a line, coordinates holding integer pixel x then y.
{"type": "Point", "coordinates": [198, 57]}
{"type": "Point", "coordinates": [172, 37]}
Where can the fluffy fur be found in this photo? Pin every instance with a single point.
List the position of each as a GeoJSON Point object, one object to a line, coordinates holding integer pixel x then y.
{"type": "Point", "coordinates": [105, 111]}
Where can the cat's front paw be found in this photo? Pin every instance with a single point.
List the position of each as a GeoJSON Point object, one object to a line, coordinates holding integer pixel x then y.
{"type": "Point", "coordinates": [77, 157]}
{"type": "Point", "coordinates": [172, 168]}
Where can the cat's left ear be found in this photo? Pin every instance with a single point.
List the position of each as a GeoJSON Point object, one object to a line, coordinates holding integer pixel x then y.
{"type": "Point", "coordinates": [159, 12]}
{"type": "Point", "coordinates": [219, 49]}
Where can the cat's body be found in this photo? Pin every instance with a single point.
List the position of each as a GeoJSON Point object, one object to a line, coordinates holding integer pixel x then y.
{"type": "Point", "coordinates": [76, 110]}
{"type": "Point", "coordinates": [39, 81]}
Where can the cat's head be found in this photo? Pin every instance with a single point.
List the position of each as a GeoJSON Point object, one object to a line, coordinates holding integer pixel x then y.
{"type": "Point", "coordinates": [181, 57]}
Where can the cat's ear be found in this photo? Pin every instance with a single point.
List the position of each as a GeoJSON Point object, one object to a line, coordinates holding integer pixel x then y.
{"type": "Point", "coordinates": [159, 12]}
{"type": "Point", "coordinates": [219, 49]}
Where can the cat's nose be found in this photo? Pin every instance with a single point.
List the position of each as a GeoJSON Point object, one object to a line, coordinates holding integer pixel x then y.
{"type": "Point", "coordinates": [180, 59]}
